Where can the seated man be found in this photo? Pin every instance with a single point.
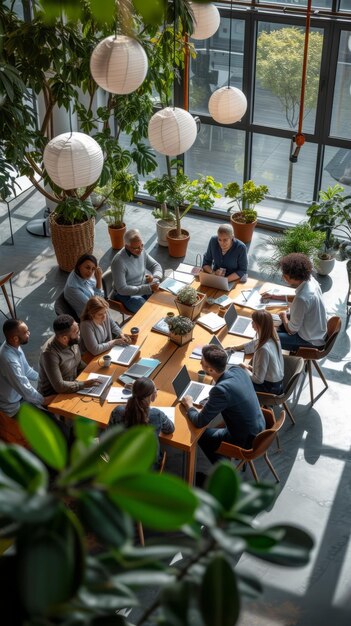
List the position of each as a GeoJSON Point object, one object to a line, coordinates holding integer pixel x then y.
{"type": "Point", "coordinates": [60, 360]}
{"type": "Point", "coordinates": [226, 256]}
{"type": "Point", "coordinates": [135, 273]}
{"type": "Point", "coordinates": [16, 376]}
{"type": "Point", "coordinates": [234, 397]}
{"type": "Point", "coordinates": [307, 323]}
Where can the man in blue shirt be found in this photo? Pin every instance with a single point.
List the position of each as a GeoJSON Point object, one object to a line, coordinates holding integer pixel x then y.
{"type": "Point", "coordinates": [226, 256]}
{"type": "Point", "coordinates": [233, 396]}
{"type": "Point", "coordinates": [16, 376]}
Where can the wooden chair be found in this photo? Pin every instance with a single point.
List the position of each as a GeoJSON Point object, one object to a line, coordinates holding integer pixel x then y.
{"type": "Point", "coordinates": [115, 305]}
{"type": "Point", "coordinates": [293, 366]}
{"type": "Point", "coordinates": [312, 355]}
{"type": "Point", "coordinates": [139, 524]}
{"type": "Point", "coordinates": [63, 307]}
{"type": "Point", "coordinates": [10, 431]}
{"type": "Point", "coordinates": [6, 278]}
{"type": "Point", "coordinates": [260, 445]}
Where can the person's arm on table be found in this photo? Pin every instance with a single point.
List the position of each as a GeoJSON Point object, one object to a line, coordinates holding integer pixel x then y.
{"type": "Point", "coordinates": [50, 364]}
{"type": "Point", "coordinates": [167, 426]}
{"type": "Point", "coordinates": [153, 267]}
{"type": "Point", "coordinates": [215, 404]}
{"type": "Point", "coordinates": [298, 311]}
{"type": "Point", "coordinates": [119, 273]}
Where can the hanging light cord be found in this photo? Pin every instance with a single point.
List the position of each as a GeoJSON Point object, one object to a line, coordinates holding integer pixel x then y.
{"type": "Point", "coordinates": [230, 42]}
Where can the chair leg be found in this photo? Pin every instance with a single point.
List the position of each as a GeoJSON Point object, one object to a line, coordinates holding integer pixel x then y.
{"type": "Point", "coordinates": [320, 373]}
{"type": "Point", "coordinates": [140, 533]}
{"type": "Point", "coordinates": [265, 456]}
{"type": "Point", "coordinates": [289, 412]}
{"type": "Point", "coordinates": [309, 369]}
{"type": "Point", "coordinates": [253, 470]}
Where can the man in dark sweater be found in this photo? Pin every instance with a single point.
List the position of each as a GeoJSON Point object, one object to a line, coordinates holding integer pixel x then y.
{"type": "Point", "coordinates": [234, 397]}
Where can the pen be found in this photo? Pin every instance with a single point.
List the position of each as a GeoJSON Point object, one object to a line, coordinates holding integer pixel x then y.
{"type": "Point", "coordinates": [243, 293]}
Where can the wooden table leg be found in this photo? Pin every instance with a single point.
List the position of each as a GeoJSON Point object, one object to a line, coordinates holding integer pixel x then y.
{"type": "Point", "coordinates": [190, 465]}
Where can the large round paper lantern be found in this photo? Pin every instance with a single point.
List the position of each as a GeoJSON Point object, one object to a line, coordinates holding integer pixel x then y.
{"type": "Point", "coordinates": [206, 20]}
{"type": "Point", "coordinates": [119, 64]}
{"type": "Point", "coordinates": [172, 131]}
{"type": "Point", "coordinates": [227, 105]}
{"type": "Point", "coordinates": [73, 160]}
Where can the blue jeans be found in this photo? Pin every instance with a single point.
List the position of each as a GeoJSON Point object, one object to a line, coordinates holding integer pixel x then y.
{"type": "Point", "coordinates": [132, 303]}
{"type": "Point", "coordinates": [293, 342]}
{"type": "Point", "coordinates": [268, 387]}
{"type": "Point", "coordinates": [210, 441]}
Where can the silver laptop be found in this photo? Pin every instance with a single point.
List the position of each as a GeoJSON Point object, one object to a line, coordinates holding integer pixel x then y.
{"type": "Point", "coordinates": [184, 386]}
{"type": "Point", "coordinates": [96, 391]}
{"type": "Point", "coordinates": [238, 324]}
{"type": "Point", "coordinates": [234, 358]}
{"type": "Point", "coordinates": [123, 355]}
{"type": "Point", "coordinates": [217, 282]}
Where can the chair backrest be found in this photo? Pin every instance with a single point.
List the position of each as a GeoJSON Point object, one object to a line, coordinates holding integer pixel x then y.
{"type": "Point", "coordinates": [63, 307]}
{"type": "Point", "coordinates": [107, 283]}
{"type": "Point", "coordinates": [264, 439]}
{"type": "Point", "coordinates": [293, 366]}
{"type": "Point", "coordinates": [333, 329]}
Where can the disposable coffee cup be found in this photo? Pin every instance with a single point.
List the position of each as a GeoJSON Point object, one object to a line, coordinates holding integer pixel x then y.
{"type": "Point", "coordinates": [134, 334]}
{"type": "Point", "coordinates": [106, 360]}
{"type": "Point", "coordinates": [201, 376]}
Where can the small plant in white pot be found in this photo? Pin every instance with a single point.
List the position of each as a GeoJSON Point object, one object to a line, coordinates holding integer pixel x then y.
{"type": "Point", "coordinates": [180, 329]}
{"type": "Point", "coordinates": [190, 302]}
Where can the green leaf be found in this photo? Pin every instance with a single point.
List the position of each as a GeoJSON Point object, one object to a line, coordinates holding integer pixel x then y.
{"type": "Point", "coordinates": [159, 501]}
{"type": "Point", "coordinates": [111, 525]}
{"type": "Point", "coordinates": [232, 545]}
{"type": "Point", "coordinates": [134, 452]}
{"type": "Point", "coordinates": [254, 498]}
{"type": "Point", "coordinates": [224, 484]}
{"type": "Point", "coordinates": [107, 597]}
{"type": "Point", "coordinates": [152, 11]}
{"type": "Point", "coordinates": [23, 467]}
{"type": "Point", "coordinates": [85, 430]}
{"type": "Point", "coordinates": [175, 603]}
{"type": "Point", "coordinates": [293, 550]}
{"type": "Point", "coordinates": [219, 597]}
{"type": "Point", "coordinates": [43, 435]}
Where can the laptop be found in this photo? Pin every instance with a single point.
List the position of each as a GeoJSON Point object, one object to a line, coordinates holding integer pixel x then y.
{"type": "Point", "coordinates": [123, 355]}
{"type": "Point", "coordinates": [96, 391]}
{"type": "Point", "coordinates": [184, 386]}
{"type": "Point", "coordinates": [234, 358]}
{"type": "Point", "coordinates": [217, 282]}
{"type": "Point", "coordinates": [238, 324]}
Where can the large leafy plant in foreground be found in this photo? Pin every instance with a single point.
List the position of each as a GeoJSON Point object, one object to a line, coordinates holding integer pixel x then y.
{"type": "Point", "coordinates": [48, 575]}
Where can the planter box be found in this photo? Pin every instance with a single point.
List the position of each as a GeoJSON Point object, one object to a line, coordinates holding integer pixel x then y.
{"type": "Point", "coordinates": [191, 311]}
{"type": "Point", "coordinates": [70, 242]}
{"type": "Point", "coordinates": [180, 340]}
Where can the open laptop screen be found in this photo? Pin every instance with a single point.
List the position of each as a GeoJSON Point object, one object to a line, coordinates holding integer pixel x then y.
{"type": "Point", "coordinates": [181, 381]}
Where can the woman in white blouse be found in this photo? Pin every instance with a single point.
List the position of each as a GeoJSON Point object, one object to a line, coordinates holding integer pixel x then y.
{"type": "Point", "coordinates": [98, 331]}
{"type": "Point", "coordinates": [267, 367]}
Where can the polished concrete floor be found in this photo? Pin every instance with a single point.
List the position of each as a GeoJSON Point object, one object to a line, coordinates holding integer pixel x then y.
{"type": "Point", "coordinates": [314, 464]}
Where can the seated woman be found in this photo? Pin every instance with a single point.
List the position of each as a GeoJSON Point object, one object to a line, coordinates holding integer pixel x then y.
{"type": "Point", "coordinates": [83, 282]}
{"type": "Point", "coordinates": [98, 331]}
{"type": "Point", "coordinates": [226, 256]}
{"type": "Point", "coordinates": [307, 323]}
{"type": "Point", "coordinates": [138, 411]}
{"type": "Point", "coordinates": [267, 367]}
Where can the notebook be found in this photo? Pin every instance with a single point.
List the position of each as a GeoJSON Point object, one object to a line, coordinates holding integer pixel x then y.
{"type": "Point", "coordinates": [96, 391]}
{"type": "Point", "coordinates": [123, 355]}
{"type": "Point", "coordinates": [211, 321]}
{"type": "Point", "coordinates": [250, 298]}
{"type": "Point", "coordinates": [237, 324]}
{"type": "Point", "coordinates": [184, 386]}
{"type": "Point", "coordinates": [161, 327]}
{"type": "Point", "coordinates": [189, 269]}
{"type": "Point", "coordinates": [144, 367]}
{"type": "Point", "coordinates": [172, 285]}
{"type": "Point", "coordinates": [187, 279]}
{"type": "Point", "coordinates": [217, 282]}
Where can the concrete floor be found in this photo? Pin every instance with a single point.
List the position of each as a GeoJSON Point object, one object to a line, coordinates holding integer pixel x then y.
{"type": "Point", "coordinates": [314, 465]}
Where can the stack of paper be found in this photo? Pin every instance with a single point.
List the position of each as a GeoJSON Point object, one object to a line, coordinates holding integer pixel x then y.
{"type": "Point", "coordinates": [212, 321]}
{"type": "Point", "coordinates": [118, 394]}
{"type": "Point", "coordinates": [189, 269]}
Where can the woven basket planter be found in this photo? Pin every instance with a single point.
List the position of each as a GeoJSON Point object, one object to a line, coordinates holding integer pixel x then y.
{"type": "Point", "coordinates": [70, 242]}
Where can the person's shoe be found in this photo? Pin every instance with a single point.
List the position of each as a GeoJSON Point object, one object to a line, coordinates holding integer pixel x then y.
{"type": "Point", "coordinates": [200, 479]}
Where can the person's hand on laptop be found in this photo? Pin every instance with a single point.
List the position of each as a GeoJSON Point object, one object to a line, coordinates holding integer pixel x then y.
{"type": "Point", "coordinates": [187, 402]}
{"type": "Point", "coordinates": [91, 382]}
{"type": "Point", "coordinates": [123, 340]}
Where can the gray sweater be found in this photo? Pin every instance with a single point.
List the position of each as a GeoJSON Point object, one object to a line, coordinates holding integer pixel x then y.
{"type": "Point", "coordinates": [97, 338]}
{"type": "Point", "coordinates": [128, 273]}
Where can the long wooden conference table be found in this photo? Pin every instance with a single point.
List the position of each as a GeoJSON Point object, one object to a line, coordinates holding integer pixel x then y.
{"type": "Point", "coordinates": [171, 356]}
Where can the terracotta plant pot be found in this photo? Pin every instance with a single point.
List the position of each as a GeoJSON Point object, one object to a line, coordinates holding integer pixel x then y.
{"type": "Point", "coordinates": [117, 236]}
{"type": "Point", "coordinates": [180, 340]}
{"type": "Point", "coordinates": [162, 228]}
{"type": "Point", "coordinates": [192, 311]}
{"type": "Point", "coordinates": [177, 247]}
{"type": "Point", "coordinates": [243, 231]}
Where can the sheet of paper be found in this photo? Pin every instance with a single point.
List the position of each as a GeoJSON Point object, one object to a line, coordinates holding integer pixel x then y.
{"type": "Point", "coordinates": [212, 321]}
{"type": "Point", "coordinates": [168, 410]}
{"type": "Point", "coordinates": [251, 299]}
{"type": "Point", "coordinates": [183, 278]}
{"type": "Point", "coordinates": [118, 394]}
{"type": "Point", "coordinates": [189, 269]}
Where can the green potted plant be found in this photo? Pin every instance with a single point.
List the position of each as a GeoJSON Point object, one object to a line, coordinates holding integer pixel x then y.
{"type": "Point", "coordinates": [242, 207]}
{"type": "Point", "coordinates": [180, 329]}
{"type": "Point", "coordinates": [331, 214]}
{"type": "Point", "coordinates": [72, 230]}
{"type": "Point", "coordinates": [299, 238]}
{"type": "Point", "coordinates": [189, 302]}
{"type": "Point", "coordinates": [116, 193]}
{"type": "Point", "coordinates": [165, 219]}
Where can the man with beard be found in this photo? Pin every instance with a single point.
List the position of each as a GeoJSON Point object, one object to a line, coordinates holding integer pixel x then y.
{"type": "Point", "coordinates": [16, 375]}
{"type": "Point", "coordinates": [60, 360]}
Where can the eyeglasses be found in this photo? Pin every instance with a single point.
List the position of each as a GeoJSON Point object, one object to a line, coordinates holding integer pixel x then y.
{"type": "Point", "coordinates": [139, 247]}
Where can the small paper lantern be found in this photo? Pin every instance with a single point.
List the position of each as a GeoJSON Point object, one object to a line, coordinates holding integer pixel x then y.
{"type": "Point", "coordinates": [206, 20]}
{"type": "Point", "coordinates": [73, 160]}
{"type": "Point", "coordinates": [119, 64]}
{"type": "Point", "coordinates": [172, 131]}
{"type": "Point", "coordinates": [227, 105]}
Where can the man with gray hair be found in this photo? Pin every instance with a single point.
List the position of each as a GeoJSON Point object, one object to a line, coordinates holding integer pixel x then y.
{"type": "Point", "coordinates": [226, 256]}
{"type": "Point", "coordinates": [135, 273]}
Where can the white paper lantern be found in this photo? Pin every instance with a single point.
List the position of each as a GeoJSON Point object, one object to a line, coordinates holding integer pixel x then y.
{"type": "Point", "coordinates": [207, 19]}
{"type": "Point", "coordinates": [73, 160]}
{"type": "Point", "coordinates": [227, 105]}
{"type": "Point", "coordinates": [119, 64]}
{"type": "Point", "coordinates": [172, 131]}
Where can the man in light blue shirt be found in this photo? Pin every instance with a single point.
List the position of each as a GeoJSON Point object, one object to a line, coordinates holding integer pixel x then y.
{"type": "Point", "coordinates": [16, 375]}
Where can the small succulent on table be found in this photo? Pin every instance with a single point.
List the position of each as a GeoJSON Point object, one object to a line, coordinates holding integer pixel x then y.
{"type": "Point", "coordinates": [188, 295]}
{"type": "Point", "coordinates": [179, 325]}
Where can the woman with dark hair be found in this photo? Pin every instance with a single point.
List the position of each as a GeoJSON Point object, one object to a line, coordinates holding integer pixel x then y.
{"type": "Point", "coordinates": [306, 325]}
{"type": "Point", "coordinates": [267, 368]}
{"type": "Point", "coordinates": [83, 282]}
{"type": "Point", "coordinates": [138, 411]}
{"type": "Point", "coordinates": [98, 331]}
